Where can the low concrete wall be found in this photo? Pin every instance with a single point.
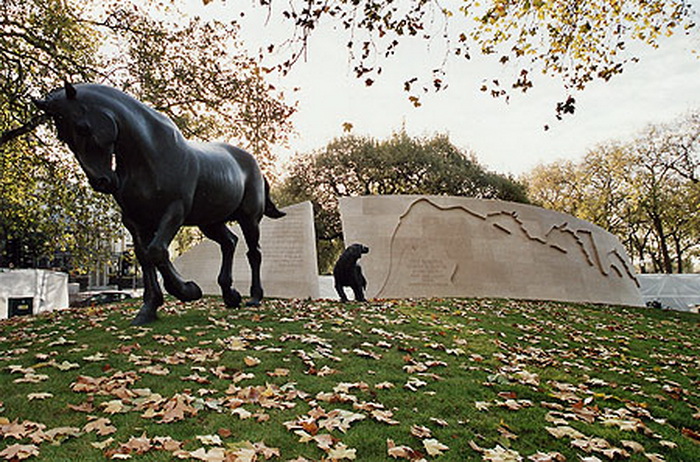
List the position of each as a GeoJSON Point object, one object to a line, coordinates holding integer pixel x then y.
{"type": "Point", "coordinates": [47, 290]}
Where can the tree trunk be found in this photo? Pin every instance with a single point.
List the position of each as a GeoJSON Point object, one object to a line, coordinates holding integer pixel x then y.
{"type": "Point", "coordinates": [679, 253]}
{"type": "Point", "coordinates": [667, 266]}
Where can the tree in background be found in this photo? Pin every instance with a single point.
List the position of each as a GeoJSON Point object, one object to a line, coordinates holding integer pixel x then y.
{"type": "Point", "coordinates": [646, 192]}
{"type": "Point", "coordinates": [668, 164]}
{"type": "Point", "coordinates": [576, 41]}
{"type": "Point", "coordinates": [355, 166]}
{"type": "Point", "coordinates": [40, 194]}
{"type": "Point", "coordinates": [196, 73]}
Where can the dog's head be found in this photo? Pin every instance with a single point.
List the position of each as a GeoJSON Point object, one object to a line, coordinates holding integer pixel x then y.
{"type": "Point", "coordinates": [356, 250]}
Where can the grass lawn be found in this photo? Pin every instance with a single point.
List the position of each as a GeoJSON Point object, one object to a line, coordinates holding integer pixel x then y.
{"type": "Point", "coordinates": [440, 379]}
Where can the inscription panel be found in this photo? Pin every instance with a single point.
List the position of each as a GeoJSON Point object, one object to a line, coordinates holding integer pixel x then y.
{"type": "Point", "coordinates": [288, 246]}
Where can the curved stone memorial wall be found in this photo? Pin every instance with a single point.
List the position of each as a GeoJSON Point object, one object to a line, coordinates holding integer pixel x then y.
{"type": "Point", "coordinates": [442, 246]}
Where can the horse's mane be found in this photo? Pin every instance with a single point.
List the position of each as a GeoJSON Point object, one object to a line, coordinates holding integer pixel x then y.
{"type": "Point", "coordinates": [126, 106]}
{"type": "Point", "coordinates": [96, 93]}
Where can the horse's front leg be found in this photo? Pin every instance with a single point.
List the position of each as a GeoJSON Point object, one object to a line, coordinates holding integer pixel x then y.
{"type": "Point", "coordinates": [152, 295]}
{"type": "Point", "coordinates": [157, 253]}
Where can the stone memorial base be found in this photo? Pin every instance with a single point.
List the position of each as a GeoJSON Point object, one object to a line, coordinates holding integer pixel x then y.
{"type": "Point", "coordinates": [441, 246]}
{"type": "Point", "coordinates": [289, 267]}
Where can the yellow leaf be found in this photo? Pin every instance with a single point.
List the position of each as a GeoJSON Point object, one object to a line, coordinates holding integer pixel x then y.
{"type": "Point", "coordinates": [251, 361]}
{"type": "Point", "coordinates": [115, 406]}
{"type": "Point", "coordinates": [279, 372]}
{"type": "Point", "coordinates": [342, 452]}
{"type": "Point", "coordinates": [434, 447]}
{"type": "Point", "coordinates": [102, 444]}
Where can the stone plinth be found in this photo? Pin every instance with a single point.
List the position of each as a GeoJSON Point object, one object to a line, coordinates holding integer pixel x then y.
{"type": "Point", "coordinates": [440, 246]}
{"type": "Point", "coordinates": [289, 268]}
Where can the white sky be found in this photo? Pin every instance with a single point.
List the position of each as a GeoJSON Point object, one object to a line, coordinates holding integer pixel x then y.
{"type": "Point", "coordinates": [506, 138]}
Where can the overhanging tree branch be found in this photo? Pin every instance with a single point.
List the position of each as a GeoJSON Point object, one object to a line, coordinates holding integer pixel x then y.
{"type": "Point", "coordinates": [34, 122]}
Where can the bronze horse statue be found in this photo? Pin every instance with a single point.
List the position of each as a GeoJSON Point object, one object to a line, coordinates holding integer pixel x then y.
{"type": "Point", "coordinates": [162, 182]}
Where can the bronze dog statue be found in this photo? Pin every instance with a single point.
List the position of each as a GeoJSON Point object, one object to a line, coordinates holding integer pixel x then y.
{"type": "Point", "coordinates": [348, 273]}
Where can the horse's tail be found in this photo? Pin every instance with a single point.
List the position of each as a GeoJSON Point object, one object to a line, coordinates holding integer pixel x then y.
{"type": "Point", "coordinates": [271, 209]}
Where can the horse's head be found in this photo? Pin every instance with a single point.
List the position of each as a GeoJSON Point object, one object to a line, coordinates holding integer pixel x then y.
{"type": "Point", "coordinates": [89, 130]}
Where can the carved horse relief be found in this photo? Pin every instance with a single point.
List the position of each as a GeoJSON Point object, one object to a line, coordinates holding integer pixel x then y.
{"type": "Point", "coordinates": [162, 182]}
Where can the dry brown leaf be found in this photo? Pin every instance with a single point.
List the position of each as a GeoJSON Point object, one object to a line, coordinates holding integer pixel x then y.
{"type": "Point", "coordinates": [565, 431]}
{"type": "Point", "coordinates": [420, 431]}
{"type": "Point", "coordinates": [155, 370]}
{"type": "Point", "coordinates": [591, 444]}
{"type": "Point", "coordinates": [692, 434]}
{"type": "Point", "coordinates": [87, 406]}
{"type": "Point", "coordinates": [20, 430]}
{"type": "Point", "coordinates": [210, 440]}
{"type": "Point", "coordinates": [102, 426]}
{"type": "Point", "coordinates": [384, 416]}
{"type": "Point", "coordinates": [632, 446]}
{"type": "Point", "coordinates": [177, 408]}
{"type": "Point", "coordinates": [500, 454]}
{"type": "Point", "coordinates": [402, 452]}
{"type": "Point", "coordinates": [440, 422]}
{"type": "Point", "coordinates": [212, 455]}
{"type": "Point", "coordinates": [19, 452]}
{"type": "Point", "coordinates": [547, 457]}
{"type": "Point", "coordinates": [615, 453]}
{"type": "Point", "coordinates": [482, 405]}
{"type": "Point", "coordinates": [251, 361]}
{"type": "Point", "coordinates": [506, 433]}
{"type": "Point", "coordinates": [102, 444]}
{"type": "Point", "coordinates": [115, 406]}
{"type": "Point", "coordinates": [266, 451]}
{"type": "Point", "coordinates": [224, 432]}
{"type": "Point", "coordinates": [384, 386]}
{"type": "Point", "coordinates": [278, 372]}
{"type": "Point", "coordinates": [242, 413]}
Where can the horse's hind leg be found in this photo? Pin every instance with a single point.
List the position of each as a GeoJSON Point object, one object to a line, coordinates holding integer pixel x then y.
{"type": "Point", "coordinates": [251, 233]}
{"type": "Point", "coordinates": [220, 234]}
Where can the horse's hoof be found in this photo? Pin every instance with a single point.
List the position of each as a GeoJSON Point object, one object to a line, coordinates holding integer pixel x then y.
{"type": "Point", "coordinates": [191, 292]}
{"type": "Point", "coordinates": [232, 299]}
{"type": "Point", "coordinates": [144, 318]}
{"type": "Point", "coordinates": [256, 296]}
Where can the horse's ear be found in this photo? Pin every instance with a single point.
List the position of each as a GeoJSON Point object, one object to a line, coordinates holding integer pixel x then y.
{"type": "Point", "coordinates": [71, 92]}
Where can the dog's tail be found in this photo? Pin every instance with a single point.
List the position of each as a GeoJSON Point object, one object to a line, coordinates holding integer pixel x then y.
{"type": "Point", "coordinates": [271, 209]}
